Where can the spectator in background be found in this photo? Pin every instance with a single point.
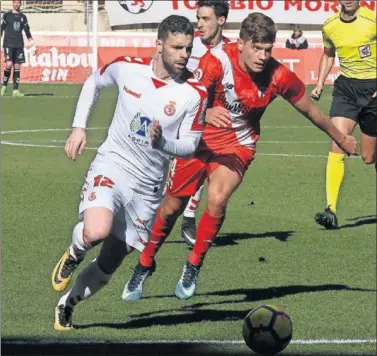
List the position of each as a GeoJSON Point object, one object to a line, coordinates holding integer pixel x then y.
{"type": "Point", "coordinates": [297, 40]}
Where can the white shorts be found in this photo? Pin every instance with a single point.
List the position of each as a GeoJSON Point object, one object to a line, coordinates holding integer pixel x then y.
{"type": "Point", "coordinates": [106, 186]}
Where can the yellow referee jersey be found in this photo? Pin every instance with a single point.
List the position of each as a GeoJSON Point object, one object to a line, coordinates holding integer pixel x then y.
{"type": "Point", "coordinates": [355, 43]}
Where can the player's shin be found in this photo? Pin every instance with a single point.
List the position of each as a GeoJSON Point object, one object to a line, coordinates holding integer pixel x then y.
{"type": "Point", "coordinates": [16, 78]}
{"type": "Point", "coordinates": [334, 178]}
{"type": "Point", "coordinates": [208, 228]}
{"type": "Point", "coordinates": [160, 231]}
{"type": "Point", "coordinates": [6, 77]}
{"type": "Point", "coordinates": [91, 280]}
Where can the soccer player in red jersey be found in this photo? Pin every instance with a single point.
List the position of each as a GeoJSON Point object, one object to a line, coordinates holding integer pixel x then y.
{"type": "Point", "coordinates": [211, 19]}
{"type": "Point", "coordinates": [242, 79]}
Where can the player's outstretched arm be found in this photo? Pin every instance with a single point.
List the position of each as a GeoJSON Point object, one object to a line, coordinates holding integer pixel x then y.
{"type": "Point", "coordinates": [327, 62]}
{"type": "Point", "coordinates": [306, 107]}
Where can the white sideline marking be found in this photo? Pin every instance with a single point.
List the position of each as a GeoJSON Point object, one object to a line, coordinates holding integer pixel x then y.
{"type": "Point", "coordinates": [11, 143]}
{"type": "Point", "coordinates": [48, 130]}
{"type": "Point", "coordinates": [23, 144]}
{"type": "Point", "coordinates": [45, 97]}
{"type": "Point", "coordinates": [159, 342]}
{"type": "Point", "coordinates": [106, 128]}
{"type": "Point", "coordinates": [289, 142]}
{"type": "Point", "coordinates": [288, 127]}
{"type": "Point", "coordinates": [76, 96]}
{"type": "Point", "coordinates": [100, 141]}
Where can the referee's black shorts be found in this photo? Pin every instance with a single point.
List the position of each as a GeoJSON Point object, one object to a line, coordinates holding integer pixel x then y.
{"type": "Point", "coordinates": [15, 55]}
{"type": "Point", "coordinates": [352, 98]}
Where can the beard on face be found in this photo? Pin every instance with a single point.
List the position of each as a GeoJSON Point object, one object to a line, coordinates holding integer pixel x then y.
{"type": "Point", "coordinates": [170, 65]}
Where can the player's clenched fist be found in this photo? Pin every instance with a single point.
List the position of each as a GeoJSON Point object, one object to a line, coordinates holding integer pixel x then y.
{"type": "Point", "coordinates": [76, 143]}
{"type": "Point", "coordinates": [316, 92]}
{"type": "Point", "coordinates": [156, 134]}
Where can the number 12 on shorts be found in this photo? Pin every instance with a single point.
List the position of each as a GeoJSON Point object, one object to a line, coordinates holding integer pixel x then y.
{"type": "Point", "coordinates": [102, 181]}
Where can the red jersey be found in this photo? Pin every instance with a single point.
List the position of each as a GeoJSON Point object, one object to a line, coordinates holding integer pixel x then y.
{"type": "Point", "coordinates": [245, 96]}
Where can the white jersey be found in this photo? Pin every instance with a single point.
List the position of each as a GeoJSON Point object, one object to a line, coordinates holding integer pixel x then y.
{"type": "Point", "coordinates": [199, 50]}
{"type": "Point", "coordinates": [178, 105]}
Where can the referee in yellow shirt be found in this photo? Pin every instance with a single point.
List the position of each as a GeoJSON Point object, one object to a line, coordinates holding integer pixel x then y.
{"type": "Point", "coordinates": [351, 34]}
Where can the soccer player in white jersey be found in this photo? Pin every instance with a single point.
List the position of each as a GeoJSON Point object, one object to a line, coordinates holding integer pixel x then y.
{"type": "Point", "coordinates": [211, 18]}
{"type": "Point", "coordinates": [159, 114]}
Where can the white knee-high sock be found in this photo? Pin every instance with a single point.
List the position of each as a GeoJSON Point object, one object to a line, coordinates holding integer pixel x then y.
{"type": "Point", "coordinates": [193, 203]}
{"type": "Point", "coordinates": [78, 248]}
{"type": "Point", "coordinates": [90, 281]}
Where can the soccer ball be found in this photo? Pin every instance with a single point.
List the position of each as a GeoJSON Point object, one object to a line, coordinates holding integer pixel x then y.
{"type": "Point", "coordinates": [267, 329]}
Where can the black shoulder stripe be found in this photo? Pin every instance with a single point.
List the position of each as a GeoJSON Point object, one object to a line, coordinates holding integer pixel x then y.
{"type": "Point", "coordinates": [330, 21]}
{"type": "Point", "coordinates": [367, 18]}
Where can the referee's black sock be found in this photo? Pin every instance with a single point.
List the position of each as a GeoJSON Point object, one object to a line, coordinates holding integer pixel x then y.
{"type": "Point", "coordinates": [6, 76]}
{"type": "Point", "coordinates": [16, 79]}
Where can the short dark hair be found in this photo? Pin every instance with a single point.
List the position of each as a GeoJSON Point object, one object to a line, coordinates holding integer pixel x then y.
{"type": "Point", "coordinates": [174, 24]}
{"type": "Point", "coordinates": [258, 28]}
{"type": "Point", "coordinates": [220, 7]}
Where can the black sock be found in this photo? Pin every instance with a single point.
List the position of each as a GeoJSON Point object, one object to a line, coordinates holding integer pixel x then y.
{"type": "Point", "coordinates": [6, 76]}
{"type": "Point", "coordinates": [16, 79]}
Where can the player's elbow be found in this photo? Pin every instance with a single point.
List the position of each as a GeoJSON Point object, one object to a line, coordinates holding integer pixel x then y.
{"type": "Point", "coordinates": [187, 155]}
{"type": "Point", "coordinates": [368, 158]}
{"type": "Point", "coordinates": [191, 146]}
{"type": "Point", "coordinates": [329, 53]}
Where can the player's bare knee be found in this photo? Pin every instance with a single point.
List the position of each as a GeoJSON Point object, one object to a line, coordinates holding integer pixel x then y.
{"type": "Point", "coordinates": [8, 65]}
{"type": "Point", "coordinates": [216, 203]}
{"type": "Point", "coordinates": [335, 148]}
{"type": "Point", "coordinates": [93, 235]}
{"type": "Point", "coordinates": [171, 207]}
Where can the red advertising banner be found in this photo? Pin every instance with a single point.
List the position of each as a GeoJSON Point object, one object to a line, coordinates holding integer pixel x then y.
{"type": "Point", "coordinates": [67, 64]}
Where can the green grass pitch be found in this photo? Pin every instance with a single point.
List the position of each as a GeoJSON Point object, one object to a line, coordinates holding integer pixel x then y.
{"type": "Point", "coordinates": [326, 280]}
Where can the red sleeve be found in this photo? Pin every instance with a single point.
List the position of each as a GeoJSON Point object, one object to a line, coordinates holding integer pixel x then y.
{"type": "Point", "coordinates": [209, 71]}
{"type": "Point", "coordinates": [291, 88]}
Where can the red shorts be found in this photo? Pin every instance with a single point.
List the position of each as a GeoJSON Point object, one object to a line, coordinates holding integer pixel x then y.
{"type": "Point", "coordinates": [187, 176]}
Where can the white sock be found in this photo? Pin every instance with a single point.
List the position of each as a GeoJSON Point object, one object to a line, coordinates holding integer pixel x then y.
{"type": "Point", "coordinates": [90, 281]}
{"type": "Point", "coordinates": [193, 204]}
{"type": "Point", "coordinates": [78, 244]}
